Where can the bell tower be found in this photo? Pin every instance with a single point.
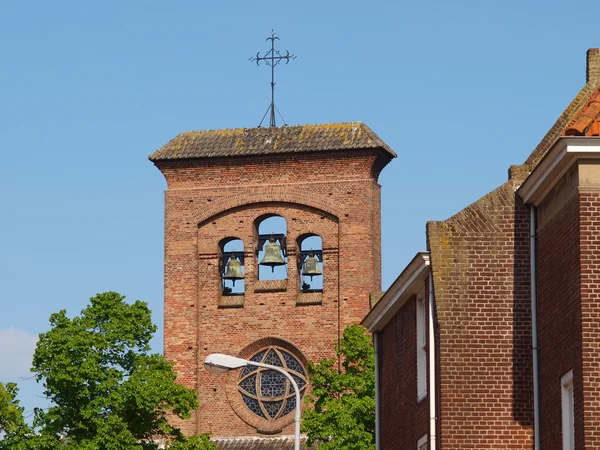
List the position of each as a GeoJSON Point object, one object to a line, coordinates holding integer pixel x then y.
{"type": "Point", "coordinates": [272, 247]}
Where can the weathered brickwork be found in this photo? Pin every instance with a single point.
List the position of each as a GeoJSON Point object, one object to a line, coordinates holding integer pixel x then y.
{"type": "Point", "coordinates": [559, 319]}
{"type": "Point", "coordinates": [333, 194]}
{"type": "Point", "coordinates": [480, 265]}
{"type": "Point", "coordinates": [593, 65]}
{"type": "Point", "coordinates": [404, 419]}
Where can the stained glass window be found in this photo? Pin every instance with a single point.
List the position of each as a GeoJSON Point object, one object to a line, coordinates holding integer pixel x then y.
{"type": "Point", "coordinates": [253, 405]}
{"type": "Point", "coordinates": [257, 358]}
{"type": "Point", "coordinates": [268, 393]}
{"type": "Point", "coordinates": [289, 406]}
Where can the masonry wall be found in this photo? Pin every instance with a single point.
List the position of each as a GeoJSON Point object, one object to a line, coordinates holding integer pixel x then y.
{"type": "Point", "coordinates": [559, 304]}
{"type": "Point", "coordinates": [480, 265]}
{"type": "Point", "coordinates": [589, 221]}
{"type": "Point", "coordinates": [332, 194]}
{"type": "Point", "coordinates": [403, 418]}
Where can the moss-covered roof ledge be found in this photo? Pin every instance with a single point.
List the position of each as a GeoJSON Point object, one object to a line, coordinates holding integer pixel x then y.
{"type": "Point", "coordinates": [263, 141]}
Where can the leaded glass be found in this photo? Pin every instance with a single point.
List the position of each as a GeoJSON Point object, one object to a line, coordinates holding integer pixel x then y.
{"type": "Point", "coordinates": [273, 359]}
{"type": "Point", "coordinates": [268, 393]}
{"type": "Point", "coordinates": [253, 405]}
{"type": "Point", "coordinates": [249, 384]}
{"type": "Point", "coordinates": [290, 405]}
{"type": "Point", "coordinates": [272, 384]}
{"type": "Point", "coordinates": [249, 369]}
{"type": "Point", "coordinates": [273, 408]}
{"type": "Point", "coordinates": [299, 381]}
{"type": "Point", "coordinates": [292, 363]}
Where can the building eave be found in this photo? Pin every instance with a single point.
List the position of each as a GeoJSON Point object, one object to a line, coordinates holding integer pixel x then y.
{"type": "Point", "coordinates": [407, 284]}
{"type": "Point", "coordinates": [555, 163]}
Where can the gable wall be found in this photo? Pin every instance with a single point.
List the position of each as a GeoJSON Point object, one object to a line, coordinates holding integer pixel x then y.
{"type": "Point", "coordinates": [480, 265]}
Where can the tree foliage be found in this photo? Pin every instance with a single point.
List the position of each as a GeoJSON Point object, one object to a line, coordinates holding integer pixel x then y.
{"type": "Point", "coordinates": [108, 392]}
{"type": "Point", "coordinates": [11, 413]}
{"type": "Point", "coordinates": [14, 431]}
{"type": "Point", "coordinates": [343, 413]}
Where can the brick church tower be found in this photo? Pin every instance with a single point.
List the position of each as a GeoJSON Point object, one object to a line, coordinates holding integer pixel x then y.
{"type": "Point", "coordinates": [245, 210]}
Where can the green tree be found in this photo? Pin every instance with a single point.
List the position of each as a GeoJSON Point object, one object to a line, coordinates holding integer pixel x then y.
{"type": "Point", "coordinates": [108, 392]}
{"type": "Point", "coordinates": [14, 432]}
{"type": "Point", "coordinates": [343, 413]}
{"type": "Point", "coordinates": [11, 413]}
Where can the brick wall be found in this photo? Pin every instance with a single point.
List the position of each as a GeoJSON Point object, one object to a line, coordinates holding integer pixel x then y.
{"type": "Point", "coordinates": [480, 268]}
{"type": "Point", "coordinates": [332, 194]}
{"type": "Point", "coordinates": [559, 329]}
{"type": "Point", "coordinates": [589, 221]}
{"type": "Point", "coordinates": [403, 419]}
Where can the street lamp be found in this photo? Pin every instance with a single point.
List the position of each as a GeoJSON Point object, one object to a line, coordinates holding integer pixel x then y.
{"type": "Point", "coordinates": [218, 363]}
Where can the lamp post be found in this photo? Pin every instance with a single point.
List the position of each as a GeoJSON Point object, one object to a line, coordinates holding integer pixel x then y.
{"type": "Point", "coordinates": [218, 363]}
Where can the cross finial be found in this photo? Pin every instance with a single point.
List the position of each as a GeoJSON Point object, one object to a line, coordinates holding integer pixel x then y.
{"type": "Point", "coordinates": [272, 57]}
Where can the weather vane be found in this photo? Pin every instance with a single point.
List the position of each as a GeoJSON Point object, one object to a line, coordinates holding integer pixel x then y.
{"type": "Point", "coordinates": [272, 58]}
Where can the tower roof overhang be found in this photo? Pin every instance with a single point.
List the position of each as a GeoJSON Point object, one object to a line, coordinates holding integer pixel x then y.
{"type": "Point", "coordinates": [272, 140]}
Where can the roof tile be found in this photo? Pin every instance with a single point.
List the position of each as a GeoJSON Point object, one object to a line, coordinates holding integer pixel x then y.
{"type": "Point", "coordinates": [585, 123]}
{"type": "Point", "coordinates": [261, 141]}
{"type": "Point", "coordinates": [594, 129]}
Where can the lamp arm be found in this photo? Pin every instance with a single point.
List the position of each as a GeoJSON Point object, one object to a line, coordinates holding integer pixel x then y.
{"type": "Point", "coordinates": [296, 391]}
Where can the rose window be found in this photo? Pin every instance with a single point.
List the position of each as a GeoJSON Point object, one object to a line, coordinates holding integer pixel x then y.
{"type": "Point", "coordinates": [268, 393]}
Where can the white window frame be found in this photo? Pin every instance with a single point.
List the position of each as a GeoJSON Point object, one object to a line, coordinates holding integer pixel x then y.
{"type": "Point", "coordinates": [421, 330]}
{"type": "Point", "coordinates": [422, 443]}
{"type": "Point", "coordinates": [568, 411]}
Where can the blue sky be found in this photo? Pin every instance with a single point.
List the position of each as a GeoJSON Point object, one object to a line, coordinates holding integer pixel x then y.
{"type": "Point", "coordinates": [460, 90]}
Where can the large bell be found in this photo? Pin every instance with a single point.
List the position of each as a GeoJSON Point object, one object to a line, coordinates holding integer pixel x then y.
{"type": "Point", "coordinates": [233, 270]}
{"type": "Point", "coordinates": [311, 267]}
{"type": "Point", "coordinates": [272, 255]}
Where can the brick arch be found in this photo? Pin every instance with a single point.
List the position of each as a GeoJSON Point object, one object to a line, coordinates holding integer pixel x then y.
{"type": "Point", "coordinates": [246, 199]}
{"type": "Point", "coordinates": [308, 233]}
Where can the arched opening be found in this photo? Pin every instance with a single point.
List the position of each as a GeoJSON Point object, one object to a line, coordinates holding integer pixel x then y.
{"type": "Point", "coordinates": [310, 263]}
{"type": "Point", "coordinates": [272, 247]}
{"type": "Point", "coordinates": [232, 266]}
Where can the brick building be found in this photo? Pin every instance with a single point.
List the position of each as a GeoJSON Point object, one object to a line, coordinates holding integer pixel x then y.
{"type": "Point", "coordinates": [490, 339]}
{"type": "Point", "coordinates": [314, 184]}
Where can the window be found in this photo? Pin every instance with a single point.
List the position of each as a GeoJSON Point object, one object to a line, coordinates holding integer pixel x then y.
{"type": "Point", "coordinates": [310, 263]}
{"type": "Point", "coordinates": [272, 255]}
{"type": "Point", "coordinates": [568, 411]}
{"type": "Point", "coordinates": [422, 443]}
{"type": "Point", "coordinates": [421, 349]}
{"type": "Point", "coordinates": [268, 393]}
{"type": "Point", "coordinates": [232, 266]}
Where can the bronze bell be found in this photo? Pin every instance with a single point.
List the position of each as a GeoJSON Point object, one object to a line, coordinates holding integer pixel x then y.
{"type": "Point", "coordinates": [234, 270]}
{"type": "Point", "coordinates": [311, 267]}
{"type": "Point", "coordinates": [272, 255]}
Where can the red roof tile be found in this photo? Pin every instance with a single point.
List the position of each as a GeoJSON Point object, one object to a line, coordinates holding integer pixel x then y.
{"type": "Point", "coordinates": [587, 121]}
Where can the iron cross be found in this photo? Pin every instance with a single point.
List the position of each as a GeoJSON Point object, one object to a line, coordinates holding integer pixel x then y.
{"type": "Point", "coordinates": [272, 58]}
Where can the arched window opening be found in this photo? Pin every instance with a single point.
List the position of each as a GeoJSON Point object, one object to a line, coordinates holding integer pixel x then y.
{"type": "Point", "coordinates": [272, 248]}
{"type": "Point", "coordinates": [232, 266]}
{"type": "Point", "coordinates": [310, 263]}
